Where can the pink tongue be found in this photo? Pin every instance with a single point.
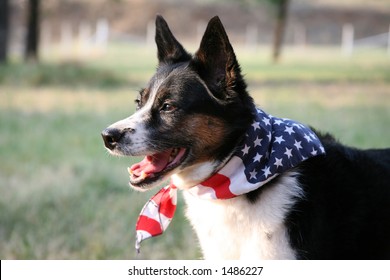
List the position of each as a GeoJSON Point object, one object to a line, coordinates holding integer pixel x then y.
{"type": "Point", "coordinates": [152, 164]}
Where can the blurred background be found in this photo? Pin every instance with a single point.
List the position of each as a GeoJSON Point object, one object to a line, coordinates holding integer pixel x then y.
{"type": "Point", "coordinates": [70, 68]}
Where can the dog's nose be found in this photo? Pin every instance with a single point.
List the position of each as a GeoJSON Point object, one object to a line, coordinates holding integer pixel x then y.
{"type": "Point", "coordinates": [111, 137]}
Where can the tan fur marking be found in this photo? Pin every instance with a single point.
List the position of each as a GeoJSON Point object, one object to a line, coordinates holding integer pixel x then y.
{"type": "Point", "coordinates": [209, 133]}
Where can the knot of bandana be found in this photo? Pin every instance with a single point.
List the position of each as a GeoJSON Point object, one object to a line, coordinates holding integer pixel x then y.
{"type": "Point", "coordinates": [270, 147]}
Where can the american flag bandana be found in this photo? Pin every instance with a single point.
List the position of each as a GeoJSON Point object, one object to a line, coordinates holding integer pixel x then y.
{"type": "Point", "coordinates": [270, 147]}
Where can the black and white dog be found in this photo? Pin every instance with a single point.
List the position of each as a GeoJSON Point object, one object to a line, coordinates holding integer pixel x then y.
{"type": "Point", "coordinates": [192, 123]}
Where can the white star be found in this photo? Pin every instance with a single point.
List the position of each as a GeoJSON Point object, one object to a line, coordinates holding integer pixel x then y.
{"type": "Point", "coordinates": [278, 162]}
{"type": "Point", "coordinates": [299, 125]}
{"type": "Point", "coordinates": [278, 122]}
{"type": "Point", "coordinates": [253, 174]}
{"type": "Point", "coordinates": [314, 152]}
{"type": "Point", "coordinates": [288, 152]}
{"type": "Point", "coordinates": [258, 142]}
{"type": "Point", "coordinates": [245, 150]}
{"type": "Point", "coordinates": [279, 139]}
{"type": "Point", "coordinates": [322, 149]}
{"type": "Point", "coordinates": [297, 144]}
{"type": "Point", "coordinates": [313, 136]}
{"type": "Point", "coordinates": [269, 136]}
{"type": "Point", "coordinates": [289, 130]}
{"type": "Point", "coordinates": [256, 125]}
{"type": "Point", "coordinates": [257, 157]}
{"type": "Point", "coordinates": [266, 171]}
{"type": "Point", "coordinates": [307, 137]}
{"type": "Point", "coordinates": [266, 121]}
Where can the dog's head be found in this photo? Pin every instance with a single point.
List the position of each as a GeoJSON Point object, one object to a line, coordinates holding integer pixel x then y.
{"type": "Point", "coordinates": [189, 117]}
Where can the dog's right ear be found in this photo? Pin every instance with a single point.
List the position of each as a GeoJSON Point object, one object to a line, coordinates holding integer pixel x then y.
{"type": "Point", "coordinates": [216, 62]}
{"type": "Point", "coordinates": [169, 50]}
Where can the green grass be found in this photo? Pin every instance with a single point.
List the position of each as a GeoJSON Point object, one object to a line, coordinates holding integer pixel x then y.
{"type": "Point", "coordinates": [63, 196]}
{"type": "Point", "coordinates": [63, 74]}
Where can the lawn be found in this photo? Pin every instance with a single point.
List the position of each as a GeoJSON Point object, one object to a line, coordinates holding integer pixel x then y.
{"type": "Point", "coordinates": [64, 197]}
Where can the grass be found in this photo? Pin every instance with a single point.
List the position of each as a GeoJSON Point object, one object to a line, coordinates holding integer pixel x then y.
{"type": "Point", "coordinates": [61, 74]}
{"type": "Point", "coordinates": [63, 197]}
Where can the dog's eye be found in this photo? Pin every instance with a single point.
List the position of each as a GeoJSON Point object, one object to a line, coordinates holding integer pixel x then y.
{"type": "Point", "coordinates": [166, 107]}
{"type": "Point", "coordinates": [137, 103]}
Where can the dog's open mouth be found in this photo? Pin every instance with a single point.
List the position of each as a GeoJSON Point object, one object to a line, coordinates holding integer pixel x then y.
{"type": "Point", "coordinates": [154, 166]}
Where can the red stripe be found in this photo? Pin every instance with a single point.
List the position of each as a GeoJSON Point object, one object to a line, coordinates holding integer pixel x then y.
{"type": "Point", "coordinates": [167, 208]}
{"type": "Point", "coordinates": [220, 184]}
{"type": "Point", "coordinates": [149, 225]}
{"type": "Point", "coordinates": [164, 201]}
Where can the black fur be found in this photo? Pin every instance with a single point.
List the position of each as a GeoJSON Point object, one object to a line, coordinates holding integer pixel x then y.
{"type": "Point", "coordinates": [345, 213]}
{"type": "Point", "coordinates": [169, 50]}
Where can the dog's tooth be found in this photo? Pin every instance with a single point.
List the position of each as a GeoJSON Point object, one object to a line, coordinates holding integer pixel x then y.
{"type": "Point", "coordinates": [129, 170]}
{"type": "Point", "coordinates": [144, 175]}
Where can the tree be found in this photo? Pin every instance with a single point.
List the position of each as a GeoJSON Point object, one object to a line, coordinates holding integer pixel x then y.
{"type": "Point", "coordinates": [32, 39]}
{"type": "Point", "coordinates": [280, 8]}
{"type": "Point", "coordinates": [4, 11]}
{"type": "Point", "coordinates": [281, 20]}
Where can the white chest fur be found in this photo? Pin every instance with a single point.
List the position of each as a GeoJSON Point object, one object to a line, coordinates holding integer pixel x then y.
{"type": "Point", "coordinates": [237, 229]}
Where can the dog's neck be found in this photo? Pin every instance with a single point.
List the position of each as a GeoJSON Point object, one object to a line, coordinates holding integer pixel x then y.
{"type": "Point", "coordinates": [196, 174]}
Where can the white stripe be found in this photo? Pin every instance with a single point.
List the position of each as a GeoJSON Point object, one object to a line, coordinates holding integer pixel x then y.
{"type": "Point", "coordinates": [141, 235]}
{"type": "Point", "coordinates": [235, 170]}
{"type": "Point", "coordinates": [151, 210]}
{"type": "Point", "coordinates": [203, 192]}
{"type": "Point", "coordinates": [164, 221]}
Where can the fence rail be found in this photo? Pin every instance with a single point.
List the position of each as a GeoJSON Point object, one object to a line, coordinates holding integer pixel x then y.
{"type": "Point", "coordinates": [87, 37]}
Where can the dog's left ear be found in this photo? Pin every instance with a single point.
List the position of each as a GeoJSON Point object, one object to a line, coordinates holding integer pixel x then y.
{"type": "Point", "coordinates": [215, 61]}
{"type": "Point", "coordinates": [169, 50]}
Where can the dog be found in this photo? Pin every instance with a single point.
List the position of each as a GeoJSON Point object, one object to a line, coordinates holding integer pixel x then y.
{"type": "Point", "coordinates": [190, 123]}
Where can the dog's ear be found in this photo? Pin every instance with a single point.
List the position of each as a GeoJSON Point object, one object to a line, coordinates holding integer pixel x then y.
{"type": "Point", "coordinates": [215, 60]}
{"type": "Point", "coordinates": [169, 50]}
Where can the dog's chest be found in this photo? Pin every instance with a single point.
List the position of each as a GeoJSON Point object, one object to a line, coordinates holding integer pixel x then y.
{"type": "Point", "coordinates": [238, 229]}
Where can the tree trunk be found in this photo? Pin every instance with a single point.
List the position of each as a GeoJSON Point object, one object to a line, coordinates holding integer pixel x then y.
{"type": "Point", "coordinates": [281, 19]}
{"type": "Point", "coordinates": [4, 10]}
{"type": "Point", "coordinates": [32, 39]}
